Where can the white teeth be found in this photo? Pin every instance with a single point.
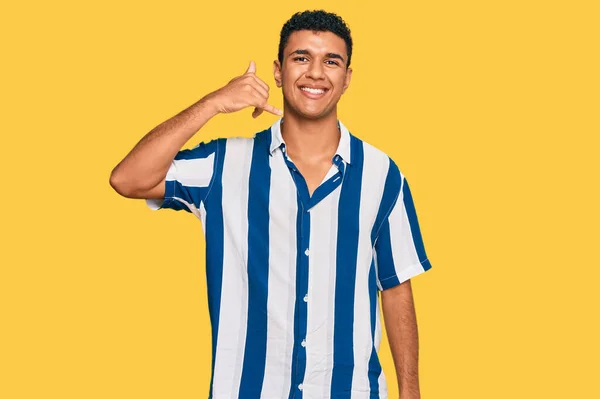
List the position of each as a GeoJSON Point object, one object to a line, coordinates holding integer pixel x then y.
{"type": "Point", "coordinates": [313, 91]}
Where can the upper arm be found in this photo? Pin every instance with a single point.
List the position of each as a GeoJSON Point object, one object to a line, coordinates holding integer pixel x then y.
{"type": "Point", "coordinates": [399, 250]}
{"type": "Point", "coordinates": [402, 290]}
{"type": "Point", "coordinates": [156, 192]}
{"type": "Point", "coordinates": [188, 180]}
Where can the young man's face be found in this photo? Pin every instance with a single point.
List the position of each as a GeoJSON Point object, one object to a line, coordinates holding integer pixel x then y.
{"type": "Point", "coordinates": [313, 73]}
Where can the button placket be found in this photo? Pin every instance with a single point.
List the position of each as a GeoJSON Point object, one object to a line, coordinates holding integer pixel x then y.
{"type": "Point", "coordinates": [302, 276]}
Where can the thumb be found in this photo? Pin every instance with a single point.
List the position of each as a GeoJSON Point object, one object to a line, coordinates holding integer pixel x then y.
{"type": "Point", "coordinates": [251, 67]}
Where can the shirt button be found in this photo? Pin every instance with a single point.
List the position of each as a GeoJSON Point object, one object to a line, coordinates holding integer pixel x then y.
{"type": "Point", "coordinates": [307, 252]}
{"type": "Point", "coordinates": [303, 343]}
{"type": "Point", "coordinates": [306, 298]}
{"type": "Point", "coordinates": [300, 386]}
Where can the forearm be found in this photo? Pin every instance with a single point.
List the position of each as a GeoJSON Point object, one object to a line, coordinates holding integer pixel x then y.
{"type": "Point", "coordinates": [148, 162]}
{"type": "Point", "coordinates": [401, 328]}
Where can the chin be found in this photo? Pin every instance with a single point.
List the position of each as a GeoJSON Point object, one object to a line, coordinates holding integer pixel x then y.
{"type": "Point", "coordinates": [312, 114]}
{"type": "Point", "coordinates": [317, 114]}
{"type": "Point", "coordinates": [300, 109]}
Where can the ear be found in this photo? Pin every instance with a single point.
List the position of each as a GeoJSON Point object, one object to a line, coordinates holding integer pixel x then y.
{"type": "Point", "coordinates": [277, 72]}
{"type": "Point", "coordinates": [347, 79]}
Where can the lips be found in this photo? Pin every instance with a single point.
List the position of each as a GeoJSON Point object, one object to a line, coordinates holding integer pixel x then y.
{"type": "Point", "coordinates": [313, 91]}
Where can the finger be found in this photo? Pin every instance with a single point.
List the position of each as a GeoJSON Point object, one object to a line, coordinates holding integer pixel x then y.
{"type": "Point", "coordinates": [260, 89]}
{"type": "Point", "coordinates": [261, 103]}
{"type": "Point", "coordinates": [257, 112]}
{"type": "Point", "coordinates": [251, 68]}
{"type": "Point", "coordinates": [272, 109]}
{"type": "Point", "coordinates": [260, 82]}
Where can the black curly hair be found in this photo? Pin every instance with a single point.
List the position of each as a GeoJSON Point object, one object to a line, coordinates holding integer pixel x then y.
{"type": "Point", "coordinates": [317, 20]}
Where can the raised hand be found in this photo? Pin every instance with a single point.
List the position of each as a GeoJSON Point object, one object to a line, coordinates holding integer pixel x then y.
{"type": "Point", "coordinates": [244, 91]}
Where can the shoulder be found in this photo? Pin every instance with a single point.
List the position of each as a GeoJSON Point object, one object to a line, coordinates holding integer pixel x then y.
{"type": "Point", "coordinates": [378, 161]}
{"type": "Point", "coordinates": [238, 149]}
{"type": "Point", "coordinates": [241, 141]}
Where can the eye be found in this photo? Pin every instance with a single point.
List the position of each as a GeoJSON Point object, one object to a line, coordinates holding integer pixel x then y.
{"type": "Point", "coordinates": [299, 58]}
{"type": "Point", "coordinates": [333, 62]}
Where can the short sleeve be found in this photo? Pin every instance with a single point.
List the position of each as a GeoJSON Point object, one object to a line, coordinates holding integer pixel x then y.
{"type": "Point", "coordinates": [189, 179]}
{"type": "Point", "coordinates": [399, 251]}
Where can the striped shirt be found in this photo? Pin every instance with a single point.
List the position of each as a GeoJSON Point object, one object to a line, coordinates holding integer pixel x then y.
{"type": "Point", "coordinates": [293, 280]}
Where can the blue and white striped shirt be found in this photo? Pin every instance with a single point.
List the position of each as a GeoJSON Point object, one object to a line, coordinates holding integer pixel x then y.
{"type": "Point", "coordinates": [293, 280]}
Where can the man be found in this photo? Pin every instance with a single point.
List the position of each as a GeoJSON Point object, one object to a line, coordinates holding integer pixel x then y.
{"type": "Point", "coordinates": [304, 225]}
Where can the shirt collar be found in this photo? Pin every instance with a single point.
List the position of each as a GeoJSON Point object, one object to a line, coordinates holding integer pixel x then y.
{"type": "Point", "coordinates": [343, 149]}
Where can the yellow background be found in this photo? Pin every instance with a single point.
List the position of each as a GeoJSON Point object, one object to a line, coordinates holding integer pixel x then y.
{"type": "Point", "coordinates": [491, 110]}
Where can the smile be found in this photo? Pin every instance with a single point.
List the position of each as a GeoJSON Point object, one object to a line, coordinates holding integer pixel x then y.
{"type": "Point", "coordinates": [313, 91]}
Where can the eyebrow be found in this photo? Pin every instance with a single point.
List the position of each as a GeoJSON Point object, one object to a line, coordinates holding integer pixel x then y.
{"type": "Point", "coordinates": [328, 55]}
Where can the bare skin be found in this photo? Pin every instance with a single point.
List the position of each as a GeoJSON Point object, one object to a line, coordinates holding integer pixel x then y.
{"type": "Point", "coordinates": [401, 328]}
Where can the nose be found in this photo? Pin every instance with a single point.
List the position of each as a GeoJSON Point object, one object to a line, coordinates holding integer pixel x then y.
{"type": "Point", "coordinates": [315, 70]}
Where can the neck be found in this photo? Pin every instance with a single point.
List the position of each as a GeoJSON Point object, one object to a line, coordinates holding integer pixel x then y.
{"type": "Point", "coordinates": [311, 139]}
